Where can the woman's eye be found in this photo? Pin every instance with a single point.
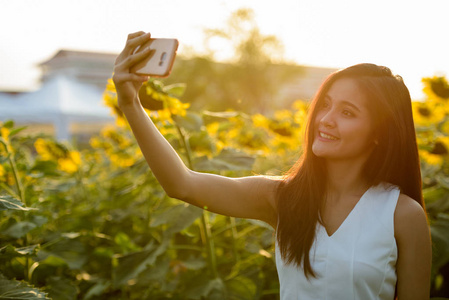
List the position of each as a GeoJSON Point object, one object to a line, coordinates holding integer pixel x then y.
{"type": "Point", "coordinates": [348, 113]}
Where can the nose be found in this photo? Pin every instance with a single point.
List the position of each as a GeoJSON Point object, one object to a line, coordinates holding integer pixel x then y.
{"type": "Point", "coordinates": [327, 119]}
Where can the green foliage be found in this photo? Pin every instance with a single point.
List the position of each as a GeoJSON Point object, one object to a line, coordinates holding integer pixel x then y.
{"type": "Point", "coordinates": [13, 289]}
{"type": "Point", "coordinates": [432, 121]}
{"type": "Point", "coordinates": [95, 224]}
{"type": "Point", "coordinates": [8, 202]}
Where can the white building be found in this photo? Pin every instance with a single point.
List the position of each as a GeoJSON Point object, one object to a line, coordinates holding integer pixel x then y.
{"type": "Point", "coordinates": [91, 68]}
{"type": "Point", "coordinates": [70, 97]}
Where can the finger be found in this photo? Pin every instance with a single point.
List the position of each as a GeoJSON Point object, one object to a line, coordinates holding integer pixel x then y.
{"type": "Point", "coordinates": [135, 40]}
{"type": "Point", "coordinates": [135, 34]}
{"type": "Point", "coordinates": [127, 51]}
{"type": "Point", "coordinates": [133, 59]}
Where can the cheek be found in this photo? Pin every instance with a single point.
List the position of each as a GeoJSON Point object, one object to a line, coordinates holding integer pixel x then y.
{"type": "Point", "coordinates": [362, 135]}
{"type": "Point", "coordinates": [319, 115]}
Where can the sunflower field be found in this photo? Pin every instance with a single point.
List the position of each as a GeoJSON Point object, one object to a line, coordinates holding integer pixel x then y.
{"type": "Point", "coordinates": [91, 221]}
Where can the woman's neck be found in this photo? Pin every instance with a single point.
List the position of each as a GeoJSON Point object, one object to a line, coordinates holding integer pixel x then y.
{"type": "Point", "coordinates": [345, 177]}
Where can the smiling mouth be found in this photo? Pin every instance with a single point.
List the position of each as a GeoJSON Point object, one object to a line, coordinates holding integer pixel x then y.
{"type": "Point", "coordinates": [327, 136]}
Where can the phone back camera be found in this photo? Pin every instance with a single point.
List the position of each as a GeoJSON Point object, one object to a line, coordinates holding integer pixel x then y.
{"type": "Point", "coordinates": [162, 59]}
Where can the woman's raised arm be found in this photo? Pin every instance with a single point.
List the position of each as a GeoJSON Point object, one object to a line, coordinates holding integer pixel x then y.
{"type": "Point", "coordinates": [247, 197]}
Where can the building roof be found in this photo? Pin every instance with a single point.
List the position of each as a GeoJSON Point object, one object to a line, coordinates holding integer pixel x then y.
{"type": "Point", "coordinates": [64, 55]}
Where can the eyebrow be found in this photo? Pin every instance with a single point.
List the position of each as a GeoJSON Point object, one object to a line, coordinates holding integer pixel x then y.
{"type": "Point", "coordinates": [344, 102]}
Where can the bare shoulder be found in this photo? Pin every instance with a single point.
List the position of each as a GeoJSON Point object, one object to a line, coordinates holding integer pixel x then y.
{"type": "Point", "coordinates": [414, 249]}
{"type": "Point", "coordinates": [409, 217]}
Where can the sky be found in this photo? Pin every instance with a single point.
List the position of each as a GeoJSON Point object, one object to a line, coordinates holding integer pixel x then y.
{"type": "Point", "coordinates": [409, 36]}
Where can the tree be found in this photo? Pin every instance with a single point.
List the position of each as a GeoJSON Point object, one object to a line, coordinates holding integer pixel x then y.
{"type": "Point", "coordinates": [248, 81]}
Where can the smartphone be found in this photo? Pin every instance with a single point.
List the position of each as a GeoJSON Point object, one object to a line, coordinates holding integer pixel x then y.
{"type": "Point", "coordinates": [160, 59]}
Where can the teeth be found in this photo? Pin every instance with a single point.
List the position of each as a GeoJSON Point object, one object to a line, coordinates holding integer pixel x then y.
{"type": "Point", "coordinates": [326, 136]}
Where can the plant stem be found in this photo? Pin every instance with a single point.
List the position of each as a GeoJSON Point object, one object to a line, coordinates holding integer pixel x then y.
{"type": "Point", "coordinates": [185, 145]}
{"type": "Point", "coordinates": [205, 223]}
{"type": "Point", "coordinates": [20, 193]}
{"type": "Point", "coordinates": [210, 243]}
{"type": "Point", "coordinates": [234, 238]}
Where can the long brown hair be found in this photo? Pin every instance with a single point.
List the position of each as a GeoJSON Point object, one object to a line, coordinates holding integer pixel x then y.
{"type": "Point", "coordinates": [394, 160]}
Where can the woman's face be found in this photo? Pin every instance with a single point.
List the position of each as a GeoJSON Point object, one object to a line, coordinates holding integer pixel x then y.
{"type": "Point", "coordinates": [343, 125]}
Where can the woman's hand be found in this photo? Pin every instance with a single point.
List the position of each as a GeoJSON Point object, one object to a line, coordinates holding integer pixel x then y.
{"type": "Point", "coordinates": [128, 84]}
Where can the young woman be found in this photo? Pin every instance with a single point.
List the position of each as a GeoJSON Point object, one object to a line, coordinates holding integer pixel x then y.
{"type": "Point", "coordinates": [349, 216]}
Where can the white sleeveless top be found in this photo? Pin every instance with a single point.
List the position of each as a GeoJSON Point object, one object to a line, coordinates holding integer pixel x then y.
{"type": "Point", "coordinates": [357, 262]}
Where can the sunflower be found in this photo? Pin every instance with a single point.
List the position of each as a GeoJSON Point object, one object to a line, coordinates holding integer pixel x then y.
{"type": "Point", "coordinates": [425, 114]}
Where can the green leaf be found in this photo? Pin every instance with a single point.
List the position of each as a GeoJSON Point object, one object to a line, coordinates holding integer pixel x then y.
{"type": "Point", "coordinates": [158, 271]}
{"type": "Point", "coordinates": [131, 265]}
{"type": "Point", "coordinates": [17, 130]}
{"type": "Point", "coordinates": [39, 220]}
{"type": "Point", "coordinates": [177, 217]}
{"type": "Point", "coordinates": [196, 263]}
{"type": "Point", "coordinates": [241, 288]}
{"type": "Point", "coordinates": [191, 121]}
{"type": "Point", "coordinates": [19, 229]}
{"type": "Point", "coordinates": [9, 252]}
{"type": "Point", "coordinates": [438, 206]}
{"type": "Point", "coordinates": [260, 223]}
{"type": "Point", "coordinates": [47, 167]}
{"type": "Point", "coordinates": [9, 124]}
{"type": "Point", "coordinates": [201, 140]}
{"type": "Point", "coordinates": [71, 235]}
{"type": "Point", "coordinates": [71, 251]}
{"type": "Point", "coordinates": [205, 288]}
{"type": "Point", "coordinates": [125, 243]}
{"type": "Point", "coordinates": [61, 288]}
{"type": "Point", "coordinates": [13, 289]}
{"type": "Point", "coordinates": [224, 115]}
{"type": "Point", "coordinates": [443, 181]}
{"type": "Point", "coordinates": [52, 261]}
{"type": "Point", "coordinates": [10, 203]}
{"type": "Point", "coordinates": [227, 160]}
{"type": "Point", "coordinates": [176, 89]}
{"type": "Point", "coordinates": [97, 289]}
{"type": "Point", "coordinates": [440, 233]}
{"type": "Point", "coordinates": [156, 85]}
{"type": "Point", "coordinates": [4, 158]}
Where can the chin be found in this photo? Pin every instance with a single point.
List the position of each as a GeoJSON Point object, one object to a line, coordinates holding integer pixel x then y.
{"type": "Point", "coordinates": [320, 153]}
{"type": "Point", "coordinates": [324, 156]}
{"type": "Point", "coordinates": [325, 153]}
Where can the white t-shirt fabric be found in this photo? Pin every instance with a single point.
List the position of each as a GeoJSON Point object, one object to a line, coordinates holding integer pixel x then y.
{"type": "Point", "coordinates": [358, 261]}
